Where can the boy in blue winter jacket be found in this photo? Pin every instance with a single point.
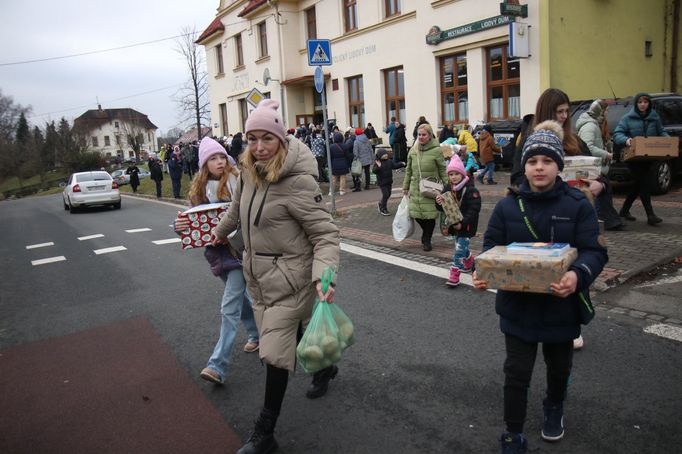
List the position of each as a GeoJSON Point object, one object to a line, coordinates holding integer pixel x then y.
{"type": "Point", "coordinates": [546, 209]}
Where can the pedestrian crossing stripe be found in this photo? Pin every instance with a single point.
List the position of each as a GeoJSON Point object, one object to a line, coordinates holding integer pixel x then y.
{"type": "Point", "coordinates": [319, 55]}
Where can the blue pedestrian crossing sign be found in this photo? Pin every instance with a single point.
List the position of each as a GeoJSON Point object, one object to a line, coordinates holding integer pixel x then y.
{"type": "Point", "coordinates": [319, 52]}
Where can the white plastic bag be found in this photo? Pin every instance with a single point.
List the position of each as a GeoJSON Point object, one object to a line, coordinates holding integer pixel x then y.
{"type": "Point", "coordinates": [403, 224]}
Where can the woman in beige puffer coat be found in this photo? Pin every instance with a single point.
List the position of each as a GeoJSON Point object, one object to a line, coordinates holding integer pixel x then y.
{"type": "Point", "coordinates": [289, 240]}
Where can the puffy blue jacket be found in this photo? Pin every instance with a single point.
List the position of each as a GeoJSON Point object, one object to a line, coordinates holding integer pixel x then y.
{"type": "Point", "coordinates": [561, 215]}
{"type": "Point", "coordinates": [175, 168]}
{"type": "Point", "coordinates": [635, 124]}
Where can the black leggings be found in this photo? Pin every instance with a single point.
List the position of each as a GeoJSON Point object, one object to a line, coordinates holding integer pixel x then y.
{"type": "Point", "coordinates": [276, 381]}
{"type": "Point", "coordinates": [641, 187]}
{"type": "Point", "coordinates": [518, 369]}
{"type": "Point", "coordinates": [427, 226]}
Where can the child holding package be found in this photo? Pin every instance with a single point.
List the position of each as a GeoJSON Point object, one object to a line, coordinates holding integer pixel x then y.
{"type": "Point", "coordinates": [217, 181]}
{"type": "Point", "coordinates": [545, 209]}
{"type": "Point", "coordinates": [383, 168]}
{"type": "Point", "coordinates": [468, 199]}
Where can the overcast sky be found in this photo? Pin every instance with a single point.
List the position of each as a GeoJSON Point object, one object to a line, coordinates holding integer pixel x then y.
{"type": "Point", "coordinates": [68, 87]}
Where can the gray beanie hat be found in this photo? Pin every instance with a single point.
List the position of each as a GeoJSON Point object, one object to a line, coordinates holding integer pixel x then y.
{"type": "Point", "coordinates": [597, 109]}
{"type": "Point", "coordinates": [546, 140]}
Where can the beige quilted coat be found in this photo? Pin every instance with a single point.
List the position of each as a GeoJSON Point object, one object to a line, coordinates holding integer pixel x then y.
{"type": "Point", "coordinates": [289, 240]}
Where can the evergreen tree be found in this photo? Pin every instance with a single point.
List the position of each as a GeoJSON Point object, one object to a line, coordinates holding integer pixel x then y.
{"type": "Point", "coordinates": [49, 149]}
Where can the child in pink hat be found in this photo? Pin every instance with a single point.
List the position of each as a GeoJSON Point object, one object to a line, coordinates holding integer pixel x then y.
{"type": "Point", "coordinates": [468, 199]}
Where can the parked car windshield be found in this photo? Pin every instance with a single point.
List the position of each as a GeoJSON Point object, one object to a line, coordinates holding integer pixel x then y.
{"type": "Point", "coordinates": [670, 111]}
{"type": "Point", "coordinates": [92, 176]}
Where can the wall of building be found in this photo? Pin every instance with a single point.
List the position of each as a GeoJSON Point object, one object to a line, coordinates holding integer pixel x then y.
{"type": "Point", "coordinates": [607, 37]}
{"type": "Point", "coordinates": [580, 46]}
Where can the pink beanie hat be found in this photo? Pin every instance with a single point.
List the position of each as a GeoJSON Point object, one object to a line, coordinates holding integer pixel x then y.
{"type": "Point", "coordinates": [266, 117]}
{"type": "Point", "coordinates": [456, 165]}
{"type": "Point", "coordinates": [207, 148]}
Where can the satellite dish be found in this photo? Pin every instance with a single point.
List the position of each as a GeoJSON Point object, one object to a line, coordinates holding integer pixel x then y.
{"type": "Point", "coordinates": [266, 77]}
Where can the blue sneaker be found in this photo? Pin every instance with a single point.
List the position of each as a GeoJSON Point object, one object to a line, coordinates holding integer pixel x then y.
{"type": "Point", "coordinates": [513, 443]}
{"type": "Point", "coordinates": [553, 427]}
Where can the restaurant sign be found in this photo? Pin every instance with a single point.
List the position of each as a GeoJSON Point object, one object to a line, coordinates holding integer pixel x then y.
{"type": "Point", "coordinates": [436, 36]}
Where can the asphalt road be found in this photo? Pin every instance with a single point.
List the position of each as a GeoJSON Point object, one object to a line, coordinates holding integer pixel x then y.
{"type": "Point", "coordinates": [424, 376]}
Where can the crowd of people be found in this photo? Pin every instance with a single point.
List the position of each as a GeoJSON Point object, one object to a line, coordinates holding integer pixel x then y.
{"type": "Point", "coordinates": [289, 237]}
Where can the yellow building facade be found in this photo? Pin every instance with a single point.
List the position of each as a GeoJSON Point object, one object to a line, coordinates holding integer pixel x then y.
{"type": "Point", "coordinates": [448, 60]}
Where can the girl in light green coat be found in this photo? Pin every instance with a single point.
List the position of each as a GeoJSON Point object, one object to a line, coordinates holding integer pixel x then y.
{"type": "Point", "coordinates": [425, 160]}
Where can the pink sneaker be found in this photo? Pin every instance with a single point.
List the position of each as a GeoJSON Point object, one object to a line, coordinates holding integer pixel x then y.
{"type": "Point", "coordinates": [468, 264]}
{"type": "Point", "coordinates": [453, 280]}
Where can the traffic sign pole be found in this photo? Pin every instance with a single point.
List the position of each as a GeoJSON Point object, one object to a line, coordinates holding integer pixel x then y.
{"type": "Point", "coordinates": [326, 141]}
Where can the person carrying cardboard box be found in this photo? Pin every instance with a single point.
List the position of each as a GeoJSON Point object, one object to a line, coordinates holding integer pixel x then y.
{"type": "Point", "coordinates": [644, 121]}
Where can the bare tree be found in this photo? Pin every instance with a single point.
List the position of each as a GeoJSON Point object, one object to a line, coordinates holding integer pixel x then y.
{"type": "Point", "coordinates": [133, 134]}
{"type": "Point", "coordinates": [192, 98]}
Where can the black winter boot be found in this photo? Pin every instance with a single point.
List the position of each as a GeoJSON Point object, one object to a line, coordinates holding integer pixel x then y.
{"type": "Point", "coordinates": [626, 215]}
{"type": "Point", "coordinates": [320, 383]}
{"type": "Point", "coordinates": [652, 219]}
{"type": "Point", "coordinates": [262, 440]}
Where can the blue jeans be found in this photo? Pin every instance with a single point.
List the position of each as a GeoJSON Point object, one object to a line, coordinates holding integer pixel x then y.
{"type": "Point", "coordinates": [488, 170]}
{"type": "Point", "coordinates": [236, 304]}
{"type": "Point", "coordinates": [461, 251]}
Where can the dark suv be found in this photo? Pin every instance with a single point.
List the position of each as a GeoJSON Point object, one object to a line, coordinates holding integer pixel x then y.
{"type": "Point", "coordinates": [669, 108]}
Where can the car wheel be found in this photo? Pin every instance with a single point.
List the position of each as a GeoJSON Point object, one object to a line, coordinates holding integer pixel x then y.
{"type": "Point", "coordinates": [661, 176]}
{"type": "Point", "coordinates": [117, 206]}
{"type": "Point", "coordinates": [66, 205]}
{"type": "Point", "coordinates": [72, 208]}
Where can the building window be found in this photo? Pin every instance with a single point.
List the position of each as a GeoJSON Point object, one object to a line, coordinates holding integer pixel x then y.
{"type": "Point", "coordinates": [392, 7]}
{"type": "Point", "coordinates": [454, 99]}
{"type": "Point", "coordinates": [107, 141]}
{"type": "Point", "coordinates": [356, 102]}
{"type": "Point", "coordinates": [95, 142]}
{"type": "Point", "coordinates": [350, 15]}
{"type": "Point", "coordinates": [116, 124]}
{"type": "Point", "coordinates": [262, 40]}
{"type": "Point", "coordinates": [244, 113]}
{"type": "Point", "coordinates": [219, 59]}
{"type": "Point", "coordinates": [394, 81]}
{"type": "Point", "coordinates": [311, 22]}
{"type": "Point", "coordinates": [238, 50]}
{"type": "Point", "coordinates": [223, 118]}
{"type": "Point", "coordinates": [504, 84]}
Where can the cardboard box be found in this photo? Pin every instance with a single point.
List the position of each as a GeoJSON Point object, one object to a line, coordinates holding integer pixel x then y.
{"type": "Point", "coordinates": [522, 273]}
{"type": "Point", "coordinates": [451, 209]}
{"type": "Point", "coordinates": [652, 148]}
{"type": "Point", "coordinates": [203, 218]}
{"type": "Point", "coordinates": [582, 161]}
{"type": "Point", "coordinates": [579, 173]}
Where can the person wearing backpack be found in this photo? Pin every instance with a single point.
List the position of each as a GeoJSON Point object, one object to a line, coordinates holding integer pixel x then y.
{"type": "Point", "coordinates": [543, 208]}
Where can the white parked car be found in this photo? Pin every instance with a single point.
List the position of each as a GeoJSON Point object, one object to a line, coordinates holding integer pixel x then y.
{"type": "Point", "coordinates": [121, 177]}
{"type": "Point", "coordinates": [89, 189]}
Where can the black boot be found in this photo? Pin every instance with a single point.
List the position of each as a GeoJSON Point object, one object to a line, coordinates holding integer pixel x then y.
{"type": "Point", "coordinates": [652, 219]}
{"type": "Point", "coordinates": [626, 214]}
{"type": "Point", "coordinates": [262, 440]}
{"type": "Point", "coordinates": [321, 382]}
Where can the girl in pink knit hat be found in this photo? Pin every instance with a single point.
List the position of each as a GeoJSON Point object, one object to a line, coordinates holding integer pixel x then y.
{"type": "Point", "coordinates": [217, 181]}
{"type": "Point", "coordinates": [468, 199]}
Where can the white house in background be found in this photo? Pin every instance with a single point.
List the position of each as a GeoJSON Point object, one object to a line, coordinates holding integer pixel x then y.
{"type": "Point", "coordinates": [115, 132]}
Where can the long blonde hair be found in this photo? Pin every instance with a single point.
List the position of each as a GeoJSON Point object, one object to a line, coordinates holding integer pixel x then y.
{"type": "Point", "coordinates": [267, 172]}
{"type": "Point", "coordinates": [197, 192]}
